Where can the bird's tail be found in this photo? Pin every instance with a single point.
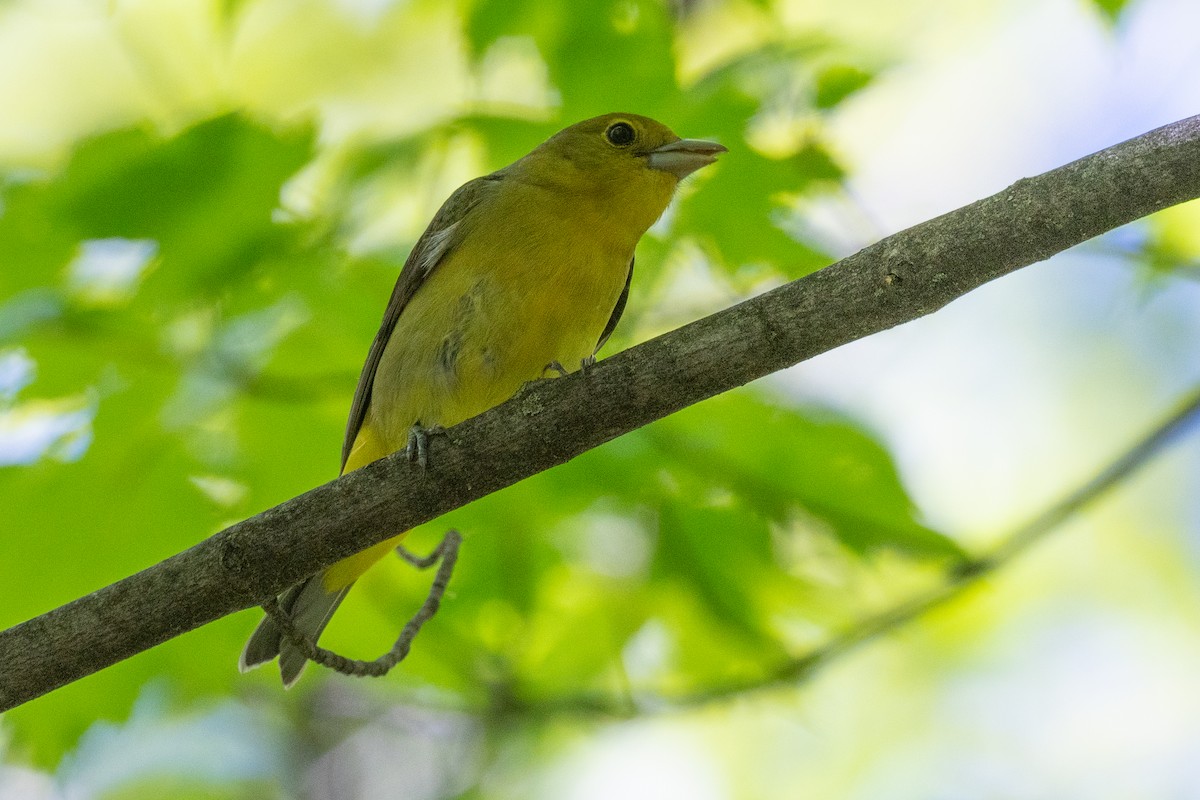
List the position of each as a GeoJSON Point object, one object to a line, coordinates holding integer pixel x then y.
{"type": "Point", "coordinates": [310, 605]}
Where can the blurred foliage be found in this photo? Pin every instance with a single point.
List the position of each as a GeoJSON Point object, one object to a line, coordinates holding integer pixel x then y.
{"type": "Point", "coordinates": [1169, 242]}
{"type": "Point", "coordinates": [185, 308]}
{"type": "Point", "coordinates": [1111, 9]}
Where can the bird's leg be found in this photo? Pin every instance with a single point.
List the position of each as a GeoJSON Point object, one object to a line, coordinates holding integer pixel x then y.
{"type": "Point", "coordinates": [417, 447]}
{"type": "Point", "coordinates": [447, 548]}
{"type": "Point", "coordinates": [446, 552]}
{"type": "Point", "coordinates": [555, 366]}
{"type": "Point", "coordinates": [585, 363]}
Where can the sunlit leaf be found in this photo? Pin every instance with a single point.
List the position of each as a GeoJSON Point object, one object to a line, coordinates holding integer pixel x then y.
{"type": "Point", "coordinates": [776, 458]}
{"type": "Point", "coordinates": [837, 82]}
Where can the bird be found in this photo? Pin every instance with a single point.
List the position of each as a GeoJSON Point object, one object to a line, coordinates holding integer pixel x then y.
{"type": "Point", "coordinates": [521, 274]}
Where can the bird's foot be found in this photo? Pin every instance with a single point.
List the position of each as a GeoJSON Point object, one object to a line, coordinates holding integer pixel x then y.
{"type": "Point", "coordinates": [555, 366]}
{"type": "Point", "coordinates": [585, 364]}
{"type": "Point", "coordinates": [417, 447]}
{"type": "Point", "coordinates": [446, 552]}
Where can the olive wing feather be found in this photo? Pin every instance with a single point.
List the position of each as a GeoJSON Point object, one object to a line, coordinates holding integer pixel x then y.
{"type": "Point", "coordinates": [442, 235]}
{"type": "Point", "coordinates": [617, 311]}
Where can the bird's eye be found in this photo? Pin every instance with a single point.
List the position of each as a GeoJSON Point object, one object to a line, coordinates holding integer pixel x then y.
{"type": "Point", "coordinates": [620, 134]}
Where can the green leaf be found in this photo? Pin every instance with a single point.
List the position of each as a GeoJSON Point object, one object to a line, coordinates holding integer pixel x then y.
{"type": "Point", "coordinates": [735, 215]}
{"type": "Point", "coordinates": [837, 82]}
{"type": "Point", "coordinates": [777, 459]}
{"type": "Point", "coordinates": [720, 553]}
{"type": "Point", "coordinates": [154, 482]}
{"type": "Point", "coordinates": [610, 55]}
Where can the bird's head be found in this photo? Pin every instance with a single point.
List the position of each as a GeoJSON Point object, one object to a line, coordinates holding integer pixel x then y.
{"type": "Point", "coordinates": [619, 158]}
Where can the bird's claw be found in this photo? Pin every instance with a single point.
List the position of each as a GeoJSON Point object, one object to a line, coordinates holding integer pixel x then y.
{"type": "Point", "coordinates": [555, 366]}
{"type": "Point", "coordinates": [448, 546]}
{"type": "Point", "coordinates": [417, 447]}
{"type": "Point", "coordinates": [585, 364]}
{"type": "Point", "coordinates": [444, 555]}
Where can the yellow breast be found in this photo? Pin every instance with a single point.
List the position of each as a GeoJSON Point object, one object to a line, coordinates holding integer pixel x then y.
{"type": "Point", "coordinates": [531, 284]}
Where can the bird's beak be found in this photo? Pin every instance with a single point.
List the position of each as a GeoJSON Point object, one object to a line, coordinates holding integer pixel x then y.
{"type": "Point", "coordinates": [683, 157]}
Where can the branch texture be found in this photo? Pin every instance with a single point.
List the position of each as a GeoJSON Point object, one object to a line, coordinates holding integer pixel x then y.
{"type": "Point", "coordinates": [905, 276]}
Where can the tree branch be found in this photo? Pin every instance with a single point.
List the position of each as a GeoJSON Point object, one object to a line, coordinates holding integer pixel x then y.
{"type": "Point", "coordinates": [900, 278]}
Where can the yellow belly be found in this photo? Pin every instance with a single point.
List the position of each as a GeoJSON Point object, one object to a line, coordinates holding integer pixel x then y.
{"type": "Point", "coordinates": [489, 318]}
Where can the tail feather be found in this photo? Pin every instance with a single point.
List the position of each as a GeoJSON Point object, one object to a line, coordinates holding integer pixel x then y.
{"type": "Point", "coordinates": [310, 606]}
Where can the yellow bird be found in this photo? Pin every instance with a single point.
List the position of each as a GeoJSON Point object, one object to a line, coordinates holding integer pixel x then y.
{"type": "Point", "coordinates": [520, 271]}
